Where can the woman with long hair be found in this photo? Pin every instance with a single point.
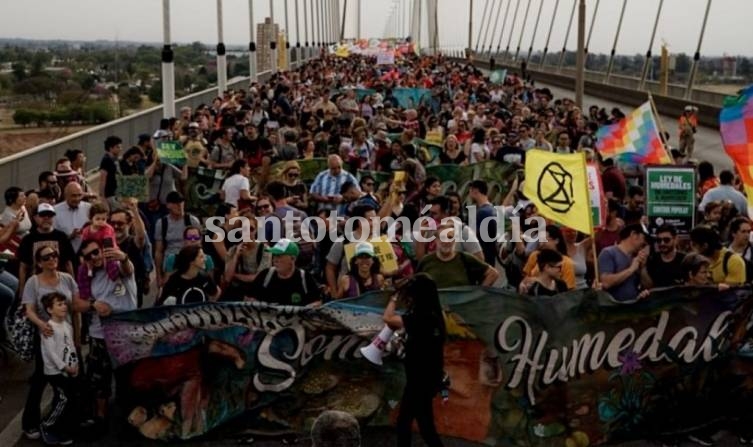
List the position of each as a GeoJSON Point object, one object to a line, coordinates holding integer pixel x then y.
{"type": "Point", "coordinates": [452, 153]}
{"type": "Point", "coordinates": [189, 283]}
{"type": "Point", "coordinates": [476, 151]}
{"type": "Point", "coordinates": [295, 190]}
{"type": "Point", "coordinates": [424, 355]}
{"type": "Point", "coordinates": [46, 280]}
{"type": "Point", "coordinates": [364, 275]}
{"type": "Point", "coordinates": [432, 188]}
{"type": "Point", "coordinates": [237, 188]}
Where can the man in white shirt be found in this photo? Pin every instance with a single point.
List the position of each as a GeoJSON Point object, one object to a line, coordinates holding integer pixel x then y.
{"type": "Point", "coordinates": [72, 214]}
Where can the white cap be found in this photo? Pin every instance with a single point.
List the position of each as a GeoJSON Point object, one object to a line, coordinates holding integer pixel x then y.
{"type": "Point", "coordinates": [364, 248]}
{"type": "Point", "coordinates": [45, 208]}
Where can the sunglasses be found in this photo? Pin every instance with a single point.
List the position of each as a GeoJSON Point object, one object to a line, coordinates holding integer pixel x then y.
{"type": "Point", "coordinates": [293, 174]}
{"type": "Point", "coordinates": [117, 223]}
{"type": "Point", "coordinates": [92, 254]}
{"type": "Point", "coordinates": [264, 207]}
{"type": "Point", "coordinates": [369, 183]}
{"type": "Point", "coordinates": [193, 238]}
{"type": "Point", "coordinates": [664, 240]}
{"type": "Point", "coordinates": [48, 256]}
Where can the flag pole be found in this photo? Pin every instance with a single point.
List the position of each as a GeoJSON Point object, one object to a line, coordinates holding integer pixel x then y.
{"type": "Point", "coordinates": [655, 111]}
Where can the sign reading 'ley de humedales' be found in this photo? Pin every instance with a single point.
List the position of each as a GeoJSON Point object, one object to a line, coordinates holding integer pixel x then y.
{"type": "Point", "coordinates": [670, 197]}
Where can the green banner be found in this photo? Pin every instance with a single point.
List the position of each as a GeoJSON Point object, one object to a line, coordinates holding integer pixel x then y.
{"type": "Point", "coordinates": [171, 152]}
{"type": "Point", "coordinates": [576, 369]}
{"type": "Point", "coordinates": [670, 197]}
{"type": "Point", "coordinates": [497, 175]}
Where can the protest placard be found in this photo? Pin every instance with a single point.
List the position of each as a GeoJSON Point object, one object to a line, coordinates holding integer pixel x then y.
{"type": "Point", "coordinates": [670, 197]}
{"type": "Point", "coordinates": [171, 152]}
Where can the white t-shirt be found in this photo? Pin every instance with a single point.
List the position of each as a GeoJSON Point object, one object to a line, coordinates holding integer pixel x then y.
{"type": "Point", "coordinates": [479, 152]}
{"type": "Point", "coordinates": [233, 187]}
{"type": "Point", "coordinates": [58, 351]}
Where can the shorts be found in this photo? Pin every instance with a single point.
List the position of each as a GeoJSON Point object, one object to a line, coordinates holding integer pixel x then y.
{"type": "Point", "coordinates": [99, 369]}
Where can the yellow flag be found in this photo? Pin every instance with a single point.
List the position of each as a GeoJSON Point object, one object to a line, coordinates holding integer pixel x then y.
{"type": "Point", "coordinates": [558, 185]}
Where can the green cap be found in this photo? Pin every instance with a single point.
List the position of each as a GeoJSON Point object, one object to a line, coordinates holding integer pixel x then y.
{"type": "Point", "coordinates": [284, 247]}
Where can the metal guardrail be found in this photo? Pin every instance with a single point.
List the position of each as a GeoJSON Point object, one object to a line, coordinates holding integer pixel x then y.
{"type": "Point", "coordinates": [23, 168]}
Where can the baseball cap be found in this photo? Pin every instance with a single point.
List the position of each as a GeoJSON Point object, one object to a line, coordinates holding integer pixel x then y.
{"type": "Point", "coordinates": [364, 248]}
{"type": "Point", "coordinates": [45, 208]}
{"type": "Point", "coordinates": [193, 125]}
{"type": "Point", "coordinates": [284, 247]}
{"type": "Point", "coordinates": [174, 197]}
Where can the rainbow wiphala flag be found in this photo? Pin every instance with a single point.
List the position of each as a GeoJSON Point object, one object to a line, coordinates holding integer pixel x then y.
{"type": "Point", "coordinates": [634, 140]}
{"type": "Point", "coordinates": [736, 127]}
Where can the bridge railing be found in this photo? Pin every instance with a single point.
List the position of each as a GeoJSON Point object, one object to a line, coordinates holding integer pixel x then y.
{"type": "Point", "coordinates": [22, 169]}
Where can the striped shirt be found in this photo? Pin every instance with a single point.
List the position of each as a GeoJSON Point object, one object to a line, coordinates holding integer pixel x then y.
{"type": "Point", "coordinates": [326, 184]}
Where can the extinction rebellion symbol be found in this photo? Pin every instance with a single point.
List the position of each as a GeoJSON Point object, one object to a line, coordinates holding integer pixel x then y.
{"type": "Point", "coordinates": [558, 195]}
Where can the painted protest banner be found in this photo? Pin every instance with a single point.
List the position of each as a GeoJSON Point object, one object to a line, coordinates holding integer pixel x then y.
{"type": "Point", "coordinates": [596, 194]}
{"type": "Point", "coordinates": [136, 186]}
{"type": "Point", "coordinates": [171, 152]}
{"type": "Point", "coordinates": [574, 369]}
{"type": "Point", "coordinates": [670, 197]}
{"type": "Point", "coordinates": [458, 178]}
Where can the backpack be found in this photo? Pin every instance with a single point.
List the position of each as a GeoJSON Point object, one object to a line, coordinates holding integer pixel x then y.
{"type": "Point", "coordinates": [186, 222]}
{"type": "Point", "coordinates": [748, 264]}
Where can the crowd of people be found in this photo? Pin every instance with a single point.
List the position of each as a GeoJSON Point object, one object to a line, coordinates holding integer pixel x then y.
{"type": "Point", "coordinates": [79, 250]}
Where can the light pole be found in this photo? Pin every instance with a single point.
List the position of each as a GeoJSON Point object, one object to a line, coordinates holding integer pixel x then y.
{"type": "Point", "coordinates": [252, 42]}
{"type": "Point", "coordinates": [581, 56]}
{"type": "Point", "coordinates": [221, 57]}
{"type": "Point", "coordinates": [168, 67]}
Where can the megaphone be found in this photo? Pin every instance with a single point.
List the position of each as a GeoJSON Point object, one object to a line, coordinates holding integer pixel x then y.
{"type": "Point", "coordinates": [376, 349]}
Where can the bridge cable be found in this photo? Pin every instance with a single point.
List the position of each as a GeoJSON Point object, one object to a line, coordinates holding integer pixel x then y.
{"type": "Point", "coordinates": [590, 32]}
{"type": "Point", "coordinates": [549, 35]}
{"type": "Point", "coordinates": [522, 30]}
{"type": "Point", "coordinates": [494, 31]}
{"type": "Point", "coordinates": [509, 38]}
{"type": "Point", "coordinates": [610, 65]}
{"type": "Point", "coordinates": [647, 60]}
{"type": "Point", "coordinates": [567, 36]}
{"type": "Point", "coordinates": [535, 28]}
{"type": "Point", "coordinates": [481, 28]}
{"type": "Point", "coordinates": [697, 55]}
{"type": "Point", "coordinates": [489, 24]}
{"type": "Point", "coordinates": [504, 22]}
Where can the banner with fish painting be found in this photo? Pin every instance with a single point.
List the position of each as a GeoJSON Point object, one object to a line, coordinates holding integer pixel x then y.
{"type": "Point", "coordinates": [577, 369]}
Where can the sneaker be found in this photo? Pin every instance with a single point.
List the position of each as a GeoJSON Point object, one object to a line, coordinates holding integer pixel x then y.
{"type": "Point", "coordinates": [50, 438]}
{"type": "Point", "coordinates": [32, 434]}
{"type": "Point", "coordinates": [701, 439]}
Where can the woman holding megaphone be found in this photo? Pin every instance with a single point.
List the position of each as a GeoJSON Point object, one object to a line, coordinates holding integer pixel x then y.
{"type": "Point", "coordinates": [424, 355]}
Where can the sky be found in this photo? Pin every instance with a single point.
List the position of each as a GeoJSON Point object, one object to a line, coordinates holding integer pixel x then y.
{"type": "Point", "coordinates": [728, 32]}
